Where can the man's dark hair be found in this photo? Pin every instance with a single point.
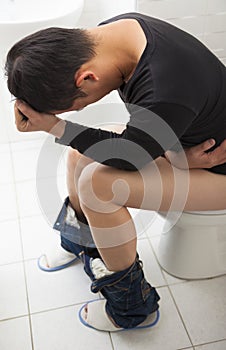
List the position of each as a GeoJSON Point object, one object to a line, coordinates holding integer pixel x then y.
{"type": "Point", "coordinates": [41, 67]}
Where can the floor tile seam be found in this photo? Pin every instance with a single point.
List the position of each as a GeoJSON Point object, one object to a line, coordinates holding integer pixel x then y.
{"type": "Point", "coordinates": [22, 250]}
{"type": "Point", "coordinates": [28, 302]}
{"type": "Point", "coordinates": [209, 343]}
{"type": "Point", "coordinates": [3, 183]}
{"type": "Point", "coordinates": [16, 217]}
{"type": "Point", "coordinates": [12, 263]}
{"type": "Point", "coordinates": [14, 318]}
{"type": "Point", "coordinates": [180, 315]}
{"type": "Point", "coordinates": [12, 141]}
{"type": "Point", "coordinates": [22, 217]}
{"type": "Point", "coordinates": [34, 179]}
{"type": "Point", "coordinates": [80, 303]}
{"type": "Point", "coordinates": [111, 340]}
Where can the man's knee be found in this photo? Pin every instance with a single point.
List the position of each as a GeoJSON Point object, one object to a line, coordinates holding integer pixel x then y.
{"type": "Point", "coordinates": [92, 184]}
{"type": "Point", "coordinates": [99, 191]}
{"type": "Point", "coordinates": [76, 162]}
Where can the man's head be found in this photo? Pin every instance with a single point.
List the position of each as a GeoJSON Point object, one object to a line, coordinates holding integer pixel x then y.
{"type": "Point", "coordinates": [41, 67]}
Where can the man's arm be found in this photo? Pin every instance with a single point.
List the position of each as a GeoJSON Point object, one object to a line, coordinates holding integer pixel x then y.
{"type": "Point", "coordinates": [198, 157]}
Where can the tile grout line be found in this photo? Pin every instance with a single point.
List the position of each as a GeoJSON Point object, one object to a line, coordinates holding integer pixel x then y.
{"type": "Point", "coordinates": [111, 340]}
{"type": "Point", "coordinates": [179, 313]}
{"type": "Point", "coordinates": [168, 287]}
{"type": "Point", "coordinates": [22, 249]}
{"type": "Point", "coordinates": [213, 342]}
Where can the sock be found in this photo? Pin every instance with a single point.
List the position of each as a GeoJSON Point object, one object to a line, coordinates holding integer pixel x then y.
{"type": "Point", "coordinates": [99, 269]}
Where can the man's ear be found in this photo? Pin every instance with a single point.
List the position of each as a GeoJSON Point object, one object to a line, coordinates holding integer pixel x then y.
{"type": "Point", "coordinates": [80, 77]}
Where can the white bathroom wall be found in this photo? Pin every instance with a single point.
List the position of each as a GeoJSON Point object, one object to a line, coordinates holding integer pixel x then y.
{"type": "Point", "coordinates": [205, 19]}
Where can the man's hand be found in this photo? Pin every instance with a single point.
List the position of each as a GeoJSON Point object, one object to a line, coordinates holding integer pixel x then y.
{"type": "Point", "coordinates": [27, 119]}
{"type": "Point", "coordinates": [197, 157]}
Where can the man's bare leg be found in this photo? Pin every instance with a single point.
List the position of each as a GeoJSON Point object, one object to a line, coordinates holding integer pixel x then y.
{"type": "Point", "coordinates": [106, 211]}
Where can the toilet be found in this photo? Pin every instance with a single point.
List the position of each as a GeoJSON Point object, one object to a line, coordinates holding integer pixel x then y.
{"type": "Point", "coordinates": [195, 246]}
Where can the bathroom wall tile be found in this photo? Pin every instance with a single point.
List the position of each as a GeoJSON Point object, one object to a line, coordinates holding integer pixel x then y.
{"type": "Point", "coordinates": [94, 12]}
{"type": "Point", "coordinates": [8, 209]}
{"type": "Point", "coordinates": [62, 330]}
{"type": "Point", "coordinates": [223, 60]}
{"type": "Point", "coordinates": [56, 289]}
{"type": "Point", "coordinates": [193, 25]}
{"type": "Point", "coordinates": [152, 270]}
{"type": "Point", "coordinates": [15, 334]}
{"type": "Point", "coordinates": [107, 111]}
{"type": "Point", "coordinates": [202, 306]}
{"type": "Point", "coordinates": [168, 334]}
{"type": "Point", "coordinates": [221, 345]}
{"type": "Point", "coordinates": [216, 23]}
{"type": "Point", "coordinates": [173, 8]}
{"type": "Point", "coordinates": [220, 53]}
{"type": "Point", "coordinates": [216, 41]}
{"type": "Point", "coordinates": [10, 247]}
{"type": "Point", "coordinates": [88, 19]}
{"type": "Point", "coordinates": [90, 6]}
{"type": "Point", "coordinates": [216, 6]}
{"type": "Point", "coordinates": [13, 300]}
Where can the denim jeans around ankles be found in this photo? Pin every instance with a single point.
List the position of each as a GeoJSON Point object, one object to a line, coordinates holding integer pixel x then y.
{"type": "Point", "coordinates": [74, 239]}
{"type": "Point", "coordinates": [130, 298]}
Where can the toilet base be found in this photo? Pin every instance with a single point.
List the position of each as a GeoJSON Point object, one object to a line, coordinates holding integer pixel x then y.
{"type": "Point", "coordinates": [195, 247]}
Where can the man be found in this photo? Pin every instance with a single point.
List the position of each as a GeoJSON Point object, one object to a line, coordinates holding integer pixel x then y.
{"type": "Point", "coordinates": [174, 89]}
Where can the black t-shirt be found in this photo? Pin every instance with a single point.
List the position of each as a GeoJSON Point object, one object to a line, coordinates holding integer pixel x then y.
{"type": "Point", "coordinates": [177, 92]}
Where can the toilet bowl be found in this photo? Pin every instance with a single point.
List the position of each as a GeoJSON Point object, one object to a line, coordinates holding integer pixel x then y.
{"type": "Point", "coordinates": [195, 246]}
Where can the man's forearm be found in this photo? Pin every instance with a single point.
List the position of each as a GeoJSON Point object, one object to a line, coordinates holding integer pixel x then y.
{"type": "Point", "coordinates": [58, 129]}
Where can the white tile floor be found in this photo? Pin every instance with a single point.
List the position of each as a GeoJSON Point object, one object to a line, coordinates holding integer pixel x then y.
{"type": "Point", "coordinates": [39, 311]}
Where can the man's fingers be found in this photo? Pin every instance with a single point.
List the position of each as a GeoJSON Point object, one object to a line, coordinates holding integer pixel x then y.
{"type": "Point", "coordinates": [204, 146]}
{"type": "Point", "coordinates": [20, 120]}
{"type": "Point", "coordinates": [25, 109]}
{"type": "Point", "coordinates": [223, 146]}
{"type": "Point", "coordinates": [218, 156]}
